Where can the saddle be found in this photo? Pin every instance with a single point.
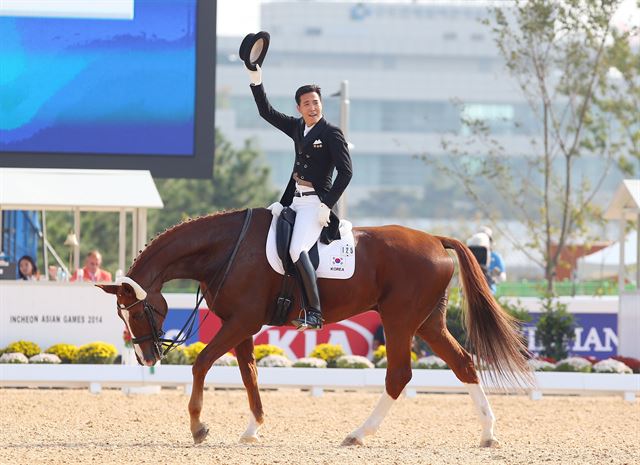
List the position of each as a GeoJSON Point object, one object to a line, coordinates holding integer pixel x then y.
{"type": "Point", "coordinates": [335, 260]}
{"type": "Point", "coordinates": [284, 231]}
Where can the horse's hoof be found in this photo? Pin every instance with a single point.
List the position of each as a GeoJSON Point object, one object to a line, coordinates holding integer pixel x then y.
{"type": "Point", "coordinates": [490, 443]}
{"type": "Point", "coordinates": [200, 435]}
{"type": "Point", "coordinates": [248, 439]}
{"type": "Point", "coordinates": [352, 441]}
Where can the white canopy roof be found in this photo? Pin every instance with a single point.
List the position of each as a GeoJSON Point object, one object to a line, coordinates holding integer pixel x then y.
{"type": "Point", "coordinates": [626, 201]}
{"type": "Point", "coordinates": [611, 255]}
{"type": "Point", "coordinates": [66, 189]}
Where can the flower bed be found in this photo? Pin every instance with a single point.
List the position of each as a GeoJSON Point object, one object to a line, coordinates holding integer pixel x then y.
{"type": "Point", "coordinates": [275, 361]}
{"type": "Point", "coordinates": [322, 356]}
{"type": "Point", "coordinates": [310, 362]}
{"type": "Point", "coordinates": [581, 365]}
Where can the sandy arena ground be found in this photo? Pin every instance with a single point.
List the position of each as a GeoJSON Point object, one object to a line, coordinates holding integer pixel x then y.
{"type": "Point", "coordinates": [73, 426]}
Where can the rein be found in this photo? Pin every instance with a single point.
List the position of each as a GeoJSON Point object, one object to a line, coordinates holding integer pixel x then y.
{"type": "Point", "coordinates": [188, 328]}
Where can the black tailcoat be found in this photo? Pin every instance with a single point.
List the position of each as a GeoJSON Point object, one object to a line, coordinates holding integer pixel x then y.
{"type": "Point", "coordinates": [316, 155]}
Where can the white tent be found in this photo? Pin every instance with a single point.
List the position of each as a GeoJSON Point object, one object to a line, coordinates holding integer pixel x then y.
{"type": "Point", "coordinates": [624, 207]}
{"type": "Point", "coordinates": [83, 190]}
{"type": "Point", "coordinates": [606, 262]}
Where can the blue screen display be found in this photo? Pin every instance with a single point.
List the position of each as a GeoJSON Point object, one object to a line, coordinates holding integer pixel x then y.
{"type": "Point", "coordinates": [100, 85]}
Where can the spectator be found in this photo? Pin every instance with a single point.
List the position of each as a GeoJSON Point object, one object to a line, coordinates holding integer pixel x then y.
{"type": "Point", "coordinates": [92, 271]}
{"type": "Point", "coordinates": [27, 269]}
{"type": "Point", "coordinates": [493, 268]}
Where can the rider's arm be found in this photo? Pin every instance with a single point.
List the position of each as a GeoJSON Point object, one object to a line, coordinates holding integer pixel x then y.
{"type": "Point", "coordinates": [342, 160]}
{"type": "Point", "coordinates": [285, 123]}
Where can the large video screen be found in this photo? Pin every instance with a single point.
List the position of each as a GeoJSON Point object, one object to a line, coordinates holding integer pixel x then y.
{"type": "Point", "coordinates": [108, 84]}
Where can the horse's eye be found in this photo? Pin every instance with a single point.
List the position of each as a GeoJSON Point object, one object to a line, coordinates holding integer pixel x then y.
{"type": "Point", "coordinates": [136, 315]}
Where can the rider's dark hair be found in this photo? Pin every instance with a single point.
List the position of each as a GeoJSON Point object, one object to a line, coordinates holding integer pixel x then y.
{"type": "Point", "coordinates": [307, 88]}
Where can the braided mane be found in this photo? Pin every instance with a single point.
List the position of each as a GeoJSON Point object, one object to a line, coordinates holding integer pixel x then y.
{"type": "Point", "coordinates": [162, 236]}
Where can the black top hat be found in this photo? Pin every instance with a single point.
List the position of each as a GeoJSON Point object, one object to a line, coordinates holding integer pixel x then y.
{"type": "Point", "coordinates": [254, 48]}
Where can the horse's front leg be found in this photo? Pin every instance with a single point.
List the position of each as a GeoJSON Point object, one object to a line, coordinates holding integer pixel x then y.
{"type": "Point", "coordinates": [249, 372]}
{"type": "Point", "coordinates": [227, 337]}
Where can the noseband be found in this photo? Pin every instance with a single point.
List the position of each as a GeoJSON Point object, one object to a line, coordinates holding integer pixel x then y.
{"type": "Point", "coordinates": [156, 333]}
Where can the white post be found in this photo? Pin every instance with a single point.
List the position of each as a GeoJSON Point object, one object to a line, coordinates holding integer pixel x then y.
{"type": "Point", "coordinates": [535, 395]}
{"type": "Point", "coordinates": [142, 228]}
{"type": "Point", "coordinates": [76, 229]}
{"type": "Point", "coordinates": [134, 234]}
{"type": "Point", "coordinates": [186, 389]}
{"type": "Point", "coordinates": [45, 271]}
{"type": "Point", "coordinates": [122, 239]}
{"type": "Point", "coordinates": [410, 393]}
{"type": "Point", "coordinates": [638, 254]}
{"type": "Point", "coordinates": [621, 266]}
{"type": "Point", "coordinates": [1, 231]}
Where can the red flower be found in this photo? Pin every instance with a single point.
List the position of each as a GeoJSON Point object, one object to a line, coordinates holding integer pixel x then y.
{"type": "Point", "coordinates": [126, 337]}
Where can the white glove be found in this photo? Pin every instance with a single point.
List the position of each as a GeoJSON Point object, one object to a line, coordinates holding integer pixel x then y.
{"type": "Point", "coordinates": [323, 215]}
{"type": "Point", "coordinates": [276, 208]}
{"type": "Point", "coordinates": [255, 76]}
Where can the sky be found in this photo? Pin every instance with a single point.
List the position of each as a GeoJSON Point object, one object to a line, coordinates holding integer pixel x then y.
{"type": "Point", "coordinates": [240, 17]}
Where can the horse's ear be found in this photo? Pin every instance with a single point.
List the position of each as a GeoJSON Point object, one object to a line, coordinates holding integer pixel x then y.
{"type": "Point", "coordinates": [128, 289]}
{"type": "Point", "coordinates": [109, 288]}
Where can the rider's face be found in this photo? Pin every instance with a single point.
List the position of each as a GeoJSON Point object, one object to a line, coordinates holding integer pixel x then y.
{"type": "Point", "coordinates": [310, 108]}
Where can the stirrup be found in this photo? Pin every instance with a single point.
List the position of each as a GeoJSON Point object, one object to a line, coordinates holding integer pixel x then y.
{"type": "Point", "coordinates": [302, 322]}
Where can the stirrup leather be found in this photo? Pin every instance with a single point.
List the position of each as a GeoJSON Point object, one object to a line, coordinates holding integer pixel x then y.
{"type": "Point", "coordinates": [310, 320]}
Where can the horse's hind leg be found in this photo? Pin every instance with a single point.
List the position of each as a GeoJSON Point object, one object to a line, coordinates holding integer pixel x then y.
{"type": "Point", "coordinates": [434, 331]}
{"type": "Point", "coordinates": [398, 344]}
{"type": "Point", "coordinates": [249, 372]}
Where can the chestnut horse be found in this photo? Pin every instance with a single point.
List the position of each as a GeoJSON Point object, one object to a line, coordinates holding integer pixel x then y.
{"type": "Point", "coordinates": [400, 272]}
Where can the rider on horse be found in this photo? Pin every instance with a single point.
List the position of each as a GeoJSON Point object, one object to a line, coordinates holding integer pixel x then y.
{"type": "Point", "coordinates": [319, 148]}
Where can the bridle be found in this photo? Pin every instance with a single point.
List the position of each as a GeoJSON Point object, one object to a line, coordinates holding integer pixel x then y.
{"type": "Point", "coordinates": [156, 332]}
{"type": "Point", "coordinates": [163, 346]}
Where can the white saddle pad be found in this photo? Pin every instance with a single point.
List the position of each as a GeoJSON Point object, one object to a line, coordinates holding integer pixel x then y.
{"type": "Point", "coordinates": [337, 260]}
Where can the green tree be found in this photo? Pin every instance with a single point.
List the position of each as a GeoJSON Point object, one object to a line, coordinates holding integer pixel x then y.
{"type": "Point", "coordinates": [622, 98]}
{"type": "Point", "coordinates": [557, 53]}
{"type": "Point", "coordinates": [240, 179]}
{"type": "Point", "coordinates": [555, 329]}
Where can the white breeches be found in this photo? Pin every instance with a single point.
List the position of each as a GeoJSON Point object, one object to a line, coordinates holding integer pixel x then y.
{"type": "Point", "coordinates": [307, 228]}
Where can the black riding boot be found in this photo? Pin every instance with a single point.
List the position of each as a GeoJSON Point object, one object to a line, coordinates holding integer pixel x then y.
{"type": "Point", "coordinates": [311, 317]}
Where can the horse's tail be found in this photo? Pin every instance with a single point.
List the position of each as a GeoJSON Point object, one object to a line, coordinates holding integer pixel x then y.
{"type": "Point", "coordinates": [492, 333]}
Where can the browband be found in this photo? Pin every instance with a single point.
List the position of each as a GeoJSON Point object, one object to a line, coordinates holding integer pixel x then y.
{"type": "Point", "coordinates": [141, 294]}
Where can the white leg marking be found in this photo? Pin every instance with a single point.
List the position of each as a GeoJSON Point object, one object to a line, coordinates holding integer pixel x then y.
{"type": "Point", "coordinates": [371, 424]}
{"type": "Point", "coordinates": [251, 434]}
{"type": "Point", "coordinates": [487, 419]}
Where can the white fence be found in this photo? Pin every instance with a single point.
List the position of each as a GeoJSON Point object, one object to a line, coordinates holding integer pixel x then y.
{"type": "Point", "coordinates": [315, 379]}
